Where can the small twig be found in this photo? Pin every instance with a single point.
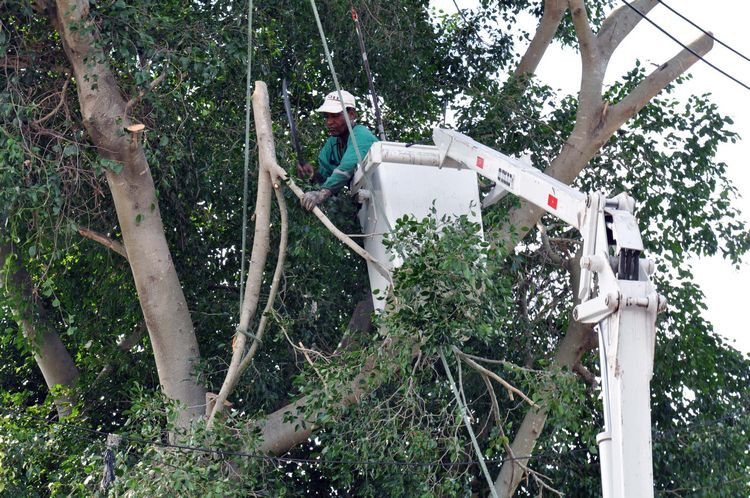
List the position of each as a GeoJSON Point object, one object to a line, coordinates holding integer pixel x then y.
{"type": "Point", "coordinates": [58, 106]}
{"type": "Point", "coordinates": [114, 245]}
{"type": "Point", "coordinates": [547, 248]}
{"type": "Point", "coordinates": [305, 352]}
{"type": "Point", "coordinates": [508, 387]}
{"type": "Point", "coordinates": [585, 374]}
{"type": "Point", "coordinates": [143, 92]}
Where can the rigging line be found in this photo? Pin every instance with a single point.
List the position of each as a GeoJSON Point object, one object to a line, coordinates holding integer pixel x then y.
{"type": "Point", "coordinates": [336, 82]}
{"type": "Point", "coordinates": [681, 16]}
{"type": "Point", "coordinates": [685, 46]}
{"type": "Point", "coordinates": [467, 423]}
{"type": "Point", "coordinates": [370, 82]}
{"type": "Point", "coordinates": [248, 101]}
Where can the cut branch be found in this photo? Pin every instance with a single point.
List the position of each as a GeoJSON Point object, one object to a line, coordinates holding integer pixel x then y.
{"type": "Point", "coordinates": [261, 244]}
{"type": "Point", "coordinates": [104, 240]}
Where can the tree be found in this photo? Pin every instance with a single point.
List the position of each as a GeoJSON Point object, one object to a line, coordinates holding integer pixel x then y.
{"type": "Point", "coordinates": [179, 69]}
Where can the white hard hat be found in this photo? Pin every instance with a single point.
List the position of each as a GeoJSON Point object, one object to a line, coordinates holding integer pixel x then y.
{"type": "Point", "coordinates": [332, 102]}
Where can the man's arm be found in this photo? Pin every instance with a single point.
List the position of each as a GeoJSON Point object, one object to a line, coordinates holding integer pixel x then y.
{"type": "Point", "coordinates": [344, 172]}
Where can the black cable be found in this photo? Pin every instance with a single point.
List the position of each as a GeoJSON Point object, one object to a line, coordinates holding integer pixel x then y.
{"type": "Point", "coordinates": [685, 46]}
{"type": "Point", "coordinates": [704, 31]}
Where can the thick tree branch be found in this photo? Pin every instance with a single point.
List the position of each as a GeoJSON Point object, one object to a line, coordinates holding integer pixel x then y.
{"type": "Point", "coordinates": [654, 83]}
{"type": "Point", "coordinates": [587, 42]}
{"type": "Point", "coordinates": [50, 354]}
{"type": "Point", "coordinates": [620, 23]}
{"type": "Point", "coordinates": [553, 13]}
{"type": "Point", "coordinates": [574, 345]}
{"type": "Point", "coordinates": [275, 281]}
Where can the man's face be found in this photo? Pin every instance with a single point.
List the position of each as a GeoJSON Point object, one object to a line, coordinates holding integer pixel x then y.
{"type": "Point", "coordinates": [336, 123]}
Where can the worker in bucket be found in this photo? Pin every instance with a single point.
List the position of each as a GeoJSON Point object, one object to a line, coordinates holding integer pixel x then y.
{"type": "Point", "coordinates": [337, 161]}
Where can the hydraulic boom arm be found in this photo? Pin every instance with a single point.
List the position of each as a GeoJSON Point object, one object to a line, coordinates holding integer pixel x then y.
{"type": "Point", "coordinates": [615, 293]}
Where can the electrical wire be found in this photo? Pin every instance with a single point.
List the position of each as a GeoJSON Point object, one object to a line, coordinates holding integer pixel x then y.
{"type": "Point", "coordinates": [681, 16]}
{"type": "Point", "coordinates": [709, 64]}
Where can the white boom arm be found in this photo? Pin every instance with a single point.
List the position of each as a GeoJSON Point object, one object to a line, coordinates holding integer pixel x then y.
{"type": "Point", "coordinates": [621, 300]}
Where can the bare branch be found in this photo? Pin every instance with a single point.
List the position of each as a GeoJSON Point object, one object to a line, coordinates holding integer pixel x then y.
{"type": "Point", "coordinates": [620, 23]}
{"type": "Point", "coordinates": [275, 282]}
{"type": "Point", "coordinates": [508, 387]}
{"type": "Point", "coordinates": [547, 248]}
{"type": "Point", "coordinates": [54, 111]}
{"type": "Point", "coordinates": [144, 91]}
{"type": "Point", "coordinates": [261, 244]}
{"type": "Point", "coordinates": [586, 40]}
{"type": "Point", "coordinates": [655, 82]}
{"type": "Point", "coordinates": [112, 244]}
{"type": "Point", "coordinates": [585, 374]}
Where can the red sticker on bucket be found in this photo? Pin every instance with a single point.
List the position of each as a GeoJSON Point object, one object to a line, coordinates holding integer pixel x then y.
{"type": "Point", "coordinates": [552, 201]}
{"type": "Point", "coordinates": [480, 162]}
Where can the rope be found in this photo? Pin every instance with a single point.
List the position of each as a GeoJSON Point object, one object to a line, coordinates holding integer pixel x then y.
{"type": "Point", "coordinates": [248, 101]}
{"type": "Point", "coordinates": [370, 82]}
{"type": "Point", "coordinates": [467, 422]}
{"type": "Point", "coordinates": [336, 81]}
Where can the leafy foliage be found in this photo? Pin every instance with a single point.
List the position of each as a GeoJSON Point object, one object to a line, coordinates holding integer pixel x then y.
{"type": "Point", "coordinates": [453, 291]}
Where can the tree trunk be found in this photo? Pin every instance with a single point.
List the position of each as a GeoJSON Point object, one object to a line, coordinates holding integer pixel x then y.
{"type": "Point", "coordinates": [163, 303]}
{"type": "Point", "coordinates": [50, 354]}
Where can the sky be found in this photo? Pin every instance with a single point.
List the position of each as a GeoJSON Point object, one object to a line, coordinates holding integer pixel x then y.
{"type": "Point", "coordinates": [727, 20]}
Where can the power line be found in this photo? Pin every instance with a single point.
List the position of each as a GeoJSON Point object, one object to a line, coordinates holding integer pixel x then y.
{"type": "Point", "coordinates": [685, 46]}
{"type": "Point", "coordinates": [704, 31]}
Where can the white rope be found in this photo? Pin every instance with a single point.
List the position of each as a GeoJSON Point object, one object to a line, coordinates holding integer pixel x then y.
{"type": "Point", "coordinates": [336, 81]}
{"type": "Point", "coordinates": [248, 101]}
{"type": "Point", "coordinates": [467, 422]}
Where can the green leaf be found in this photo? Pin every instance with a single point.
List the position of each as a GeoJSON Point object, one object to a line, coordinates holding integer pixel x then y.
{"type": "Point", "coordinates": [70, 150]}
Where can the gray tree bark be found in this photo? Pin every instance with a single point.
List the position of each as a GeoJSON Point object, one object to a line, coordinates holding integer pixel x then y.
{"type": "Point", "coordinates": [163, 303]}
{"type": "Point", "coordinates": [50, 354]}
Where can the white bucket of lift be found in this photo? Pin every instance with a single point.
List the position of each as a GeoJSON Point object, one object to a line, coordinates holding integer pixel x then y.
{"type": "Point", "coordinates": [397, 180]}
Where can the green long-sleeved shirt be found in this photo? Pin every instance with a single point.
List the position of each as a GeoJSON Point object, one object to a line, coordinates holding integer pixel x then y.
{"type": "Point", "coordinates": [335, 166]}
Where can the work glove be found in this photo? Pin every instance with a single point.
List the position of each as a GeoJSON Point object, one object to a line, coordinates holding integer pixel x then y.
{"type": "Point", "coordinates": [315, 197]}
{"type": "Point", "coordinates": [305, 170]}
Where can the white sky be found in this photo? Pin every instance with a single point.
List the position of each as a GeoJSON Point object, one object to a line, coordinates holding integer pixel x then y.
{"type": "Point", "coordinates": [727, 19]}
